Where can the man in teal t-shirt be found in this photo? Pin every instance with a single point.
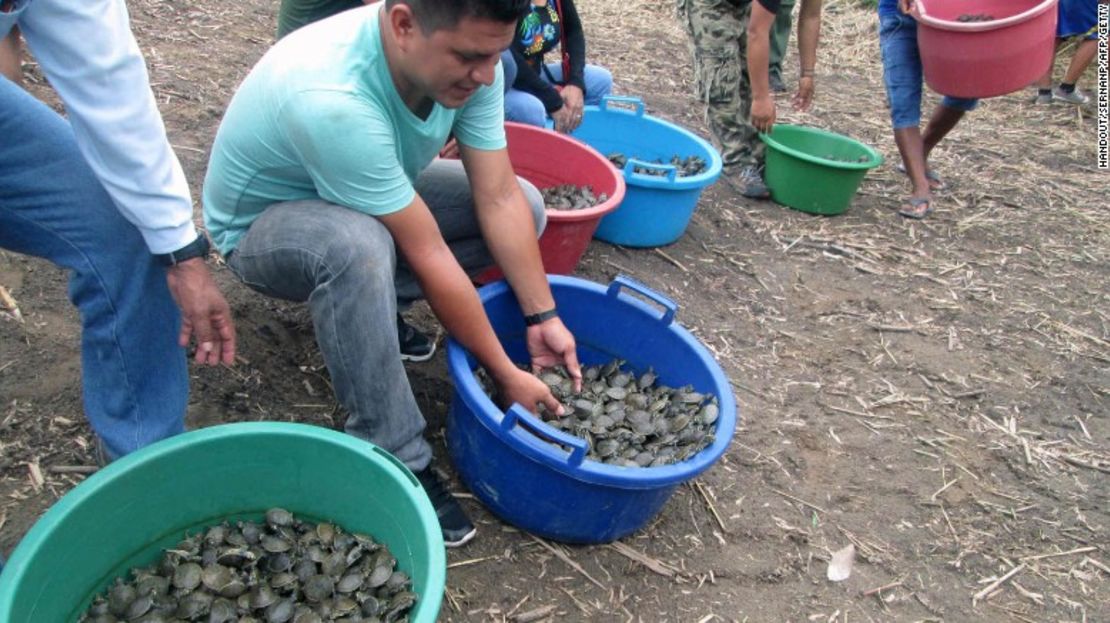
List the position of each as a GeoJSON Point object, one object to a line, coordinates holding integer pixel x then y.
{"type": "Point", "coordinates": [324, 187]}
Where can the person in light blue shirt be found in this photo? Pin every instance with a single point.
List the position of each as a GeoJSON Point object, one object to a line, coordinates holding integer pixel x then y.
{"type": "Point", "coordinates": [323, 186]}
{"type": "Point", "coordinates": [102, 195]}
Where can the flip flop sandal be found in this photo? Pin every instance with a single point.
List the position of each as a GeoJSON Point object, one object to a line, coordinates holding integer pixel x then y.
{"type": "Point", "coordinates": [915, 203]}
{"type": "Point", "coordinates": [930, 175]}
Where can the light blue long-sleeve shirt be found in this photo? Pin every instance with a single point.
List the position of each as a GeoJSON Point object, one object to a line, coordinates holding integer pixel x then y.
{"type": "Point", "coordinates": [89, 55]}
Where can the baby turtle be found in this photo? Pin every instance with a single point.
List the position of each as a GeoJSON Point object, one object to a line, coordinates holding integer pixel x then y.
{"type": "Point", "coordinates": [568, 197]}
{"type": "Point", "coordinates": [686, 167]}
{"type": "Point", "coordinates": [628, 418]}
{"type": "Point", "coordinates": [279, 570]}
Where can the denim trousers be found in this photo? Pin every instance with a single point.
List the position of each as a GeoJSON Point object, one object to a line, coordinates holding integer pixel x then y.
{"type": "Point", "coordinates": [902, 73]}
{"type": "Point", "coordinates": [344, 264]}
{"type": "Point", "coordinates": [134, 377]}
{"type": "Point", "coordinates": [527, 108]}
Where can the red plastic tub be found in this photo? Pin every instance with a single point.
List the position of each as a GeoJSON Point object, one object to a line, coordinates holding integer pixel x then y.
{"type": "Point", "coordinates": [547, 159]}
{"type": "Point", "coordinates": [985, 58]}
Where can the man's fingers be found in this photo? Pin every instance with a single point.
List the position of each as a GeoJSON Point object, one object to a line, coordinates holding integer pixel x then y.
{"type": "Point", "coordinates": [225, 327]}
{"type": "Point", "coordinates": [571, 360]}
{"type": "Point", "coordinates": [206, 339]}
{"type": "Point", "coordinates": [553, 405]}
{"type": "Point", "coordinates": [185, 334]}
{"type": "Point", "coordinates": [206, 352]}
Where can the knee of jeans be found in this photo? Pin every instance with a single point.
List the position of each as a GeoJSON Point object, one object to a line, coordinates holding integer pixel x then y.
{"type": "Point", "coordinates": [599, 83]}
{"type": "Point", "coordinates": [900, 119]}
{"type": "Point", "coordinates": [535, 201]}
{"type": "Point", "coordinates": [959, 103]}
{"type": "Point", "coordinates": [905, 103]}
{"type": "Point", "coordinates": [508, 67]}
{"type": "Point", "coordinates": [526, 108]}
{"type": "Point", "coordinates": [367, 251]}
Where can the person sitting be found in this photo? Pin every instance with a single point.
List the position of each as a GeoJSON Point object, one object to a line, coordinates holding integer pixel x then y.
{"type": "Point", "coordinates": [1077, 18]}
{"type": "Point", "coordinates": [902, 75]}
{"type": "Point", "coordinates": [557, 90]}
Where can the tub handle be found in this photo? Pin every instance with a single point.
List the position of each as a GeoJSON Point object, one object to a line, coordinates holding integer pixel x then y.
{"type": "Point", "coordinates": [669, 306]}
{"type": "Point", "coordinates": [519, 415]}
{"type": "Point", "coordinates": [636, 102]}
{"type": "Point", "coordinates": [670, 170]}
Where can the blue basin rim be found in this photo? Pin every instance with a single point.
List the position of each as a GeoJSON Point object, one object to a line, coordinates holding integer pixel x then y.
{"type": "Point", "coordinates": [594, 472]}
{"type": "Point", "coordinates": [713, 160]}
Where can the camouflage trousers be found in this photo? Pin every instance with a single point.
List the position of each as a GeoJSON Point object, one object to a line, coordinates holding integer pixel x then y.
{"type": "Point", "coordinates": [296, 13]}
{"type": "Point", "coordinates": [718, 30]}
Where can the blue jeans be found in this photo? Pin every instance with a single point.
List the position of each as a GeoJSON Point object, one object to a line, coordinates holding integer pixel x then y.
{"type": "Point", "coordinates": [508, 65]}
{"type": "Point", "coordinates": [134, 375]}
{"type": "Point", "coordinates": [344, 264]}
{"type": "Point", "coordinates": [527, 108]}
{"type": "Point", "coordinates": [902, 72]}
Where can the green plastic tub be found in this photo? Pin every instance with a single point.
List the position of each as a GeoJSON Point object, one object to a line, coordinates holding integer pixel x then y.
{"type": "Point", "coordinates": [125, 514]}
{"type": "Point", "coordinates": [813, 170]}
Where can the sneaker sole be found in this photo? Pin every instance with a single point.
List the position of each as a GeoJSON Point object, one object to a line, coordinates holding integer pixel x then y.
{"type": "Point", "coordinates": [468, 537]}
{"type": "Point", "coordinates": [419, 358]}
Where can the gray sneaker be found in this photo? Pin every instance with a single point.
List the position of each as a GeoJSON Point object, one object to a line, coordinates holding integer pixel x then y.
{"type": "Point", "coordinates": [1043, 98]}
{"type": "Point", "coordinates": [1075, 97]}
{"type": "Point", "coordinates": [749, 182]}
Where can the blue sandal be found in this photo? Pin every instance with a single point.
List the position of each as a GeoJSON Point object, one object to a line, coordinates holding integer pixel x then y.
{"type": "Point", "coordinates": [914, 210]}
{"type": "Point", "coordinates": [935, 182]}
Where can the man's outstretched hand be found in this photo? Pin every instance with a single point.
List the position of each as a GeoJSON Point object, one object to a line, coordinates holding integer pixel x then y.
{"type": "Point", "coordinates": [550, 344]}
{"type": "Point", "coordinates": [205, 315]}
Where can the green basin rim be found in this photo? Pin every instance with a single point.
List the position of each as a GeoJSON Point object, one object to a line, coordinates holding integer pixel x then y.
{"type": "Point", "coordinates": [876, 157]}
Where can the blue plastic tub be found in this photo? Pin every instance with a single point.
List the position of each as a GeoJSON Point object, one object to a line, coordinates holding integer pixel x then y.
{"type": "Point", "coordinates": [656, 209]}
{"type": "Point", "coordinates": [552, 491]}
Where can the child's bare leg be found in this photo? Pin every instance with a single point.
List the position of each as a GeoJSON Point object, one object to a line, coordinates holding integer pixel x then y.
{"type": "Point", "coordinates": [1083, 56]}
{"type": "Point", "coordinates": [940, 124]}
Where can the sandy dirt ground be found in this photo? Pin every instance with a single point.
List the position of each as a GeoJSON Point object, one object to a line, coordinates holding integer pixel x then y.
{"type": "Point", "coordinates": [934, 393]}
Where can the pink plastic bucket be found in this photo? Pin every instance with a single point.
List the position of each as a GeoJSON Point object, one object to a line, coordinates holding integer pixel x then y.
{"type": "Point", "coordinates": [988, 58]}
{"type": "Point", "coordinates": [546, 159]}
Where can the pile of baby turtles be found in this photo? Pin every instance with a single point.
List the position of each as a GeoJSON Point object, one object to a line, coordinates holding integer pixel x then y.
{"type": "Point", "coordinates": [568, 197]}
{"type": "Point", "coordinates": [629, 420]}
{"type": "Point", "coordinates": [835, 158]}
{"type": "Point", "coordinates": [975, 17]}
{"type": "Point", "coordinates": [284, 570]}
{"type": "Point", "coordinates": [691, 165]}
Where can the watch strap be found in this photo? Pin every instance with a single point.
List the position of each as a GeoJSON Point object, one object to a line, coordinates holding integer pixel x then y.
{"type": "Point", "coordinates": [535, 319]}
{"type": "Point", "coordinates": [196, 248]}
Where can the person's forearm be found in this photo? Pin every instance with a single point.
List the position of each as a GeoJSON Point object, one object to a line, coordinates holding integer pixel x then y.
{"type": "Point", "coordinates": [809, 34]}
{"type": "Point", "coordinates": [456, 304]}
{"type": "Point", "coordinates": [759, 56]}
{"type": "Point", "coordinates": [92, 60]}
{"type": "Point", "coordinates": [510, 234]}
{"type": "Point", "coordinates": [529, 81]}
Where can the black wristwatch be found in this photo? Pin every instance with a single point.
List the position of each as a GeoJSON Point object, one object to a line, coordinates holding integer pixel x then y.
{"type": "Point", "coordinates": [196, 248]}
{"type": "Point", "coordinates": [534, 319]}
